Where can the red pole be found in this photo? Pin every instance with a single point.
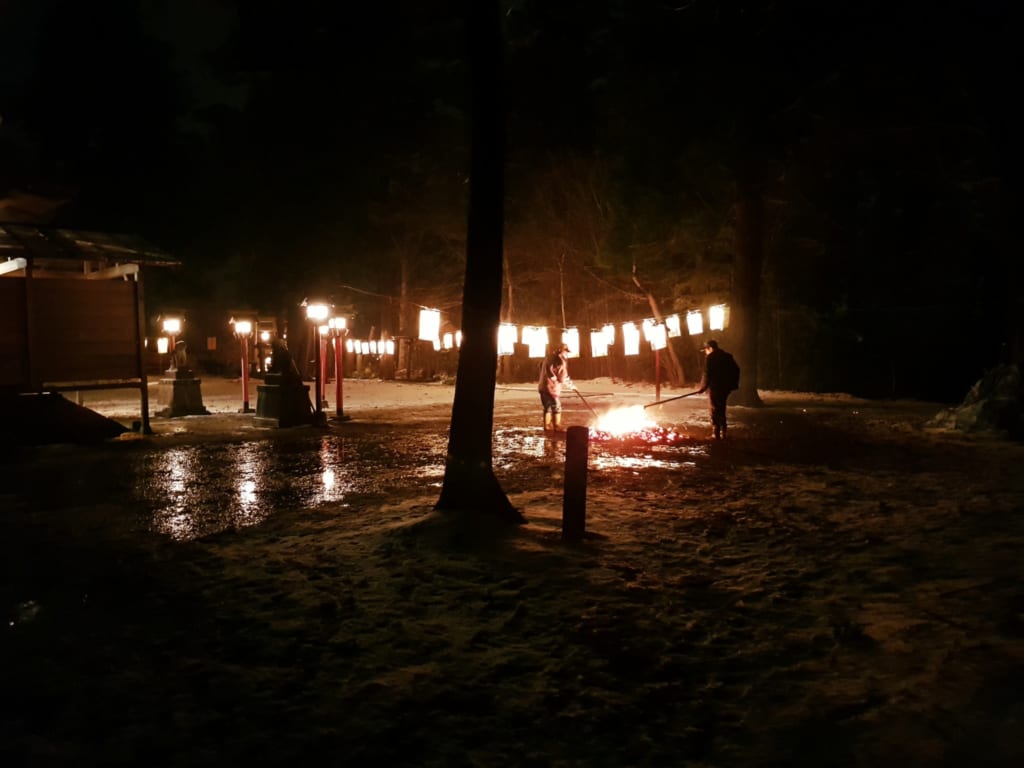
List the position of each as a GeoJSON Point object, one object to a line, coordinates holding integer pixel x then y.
{"type": "Point", "coordinates": [323, 367]}
{"type": "Point", "coordinates": [244, 339]}
{"type": "Point", "coordinates": [657, 374]}
{"type": "Point", "coordinates": [338, 377]}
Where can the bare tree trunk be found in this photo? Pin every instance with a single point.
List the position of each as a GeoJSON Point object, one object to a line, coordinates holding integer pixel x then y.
{"type": "Point", "coordinates": [561, 286]}
{"type": "Point", "coordinates": [505, 361]}
{"type": "Point", "coordinates": [673, 366]}
{"type": "Point", "coordinates": [469, 480]}
{"type": "Point", "coordinates": [747, 286]}
{"type": "Point", "coordinates": [403, 294]}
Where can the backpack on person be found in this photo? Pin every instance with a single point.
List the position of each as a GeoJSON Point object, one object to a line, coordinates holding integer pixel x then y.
{"type": "Point", "coordinates": [730, 372]}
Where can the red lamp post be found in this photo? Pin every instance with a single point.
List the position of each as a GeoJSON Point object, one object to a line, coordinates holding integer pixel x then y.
{"type": "Point", "coordinates": [243, 329]}
{"type": "Point", "coordinates": [317, 312]}
{"type": "Point", "coordinates": [172, 327]}
{"type": "Point", "coordinates": [338, 329]}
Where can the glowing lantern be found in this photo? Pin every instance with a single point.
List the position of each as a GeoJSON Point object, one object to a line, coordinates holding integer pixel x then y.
{"type": "Point", "coordinates": [507, 339]}
{"type": "Point", "coordinates": [598, 344]}
{"type": "Point", "coordinates": [631, 338]}
{"type": "Point", "coordinates": [571, 338]}
{"type": "Point", "coordinates": [672, 323]}
{"type": "Point", "coordinates": [430, 325]}
{"type": "Point", "coordinates": [162, 345]}
{"type": "Point", "coordinates": [448, 340]}
{"type": "Point", "coordinates": [364, 347]}
{"type": "Point", "coordinates": [658, 337]}
{"type": "Point", "coordinates": [317, 311]}
{"type": "Point", "coordinates": [648, 327]}
{"type": "Point", "coordinates": [718, 317]}
{"type": "Point", "coordinates": [389, 347]}
{"type": "Point", "coordinates": [349, 345]}
{"type": "Point", "coordinates": [458, 339]}
{"type": "Point", "coordinates": [694, 322]}
{"type": "Point", "coordinates": [536, 339]}
{"type": "Point", "coordinates": [373, 346]}
{"type": "Point", "coordinates": [609, 333]}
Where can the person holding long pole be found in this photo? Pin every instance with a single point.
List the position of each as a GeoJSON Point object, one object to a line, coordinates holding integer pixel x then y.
{"type": "Point", "coordinates": [554, 374]}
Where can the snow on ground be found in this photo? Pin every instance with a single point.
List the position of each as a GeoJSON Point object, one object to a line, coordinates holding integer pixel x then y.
{"type": "Point", "coordinates": [835, 585]}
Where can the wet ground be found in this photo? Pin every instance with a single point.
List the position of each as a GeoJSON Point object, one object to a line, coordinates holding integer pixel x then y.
{"type": "Point", "coordinates": [835, 585]}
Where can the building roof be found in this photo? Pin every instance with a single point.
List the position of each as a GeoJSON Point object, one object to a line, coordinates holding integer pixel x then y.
{"type": "Point", "coordinates": [75, 250]}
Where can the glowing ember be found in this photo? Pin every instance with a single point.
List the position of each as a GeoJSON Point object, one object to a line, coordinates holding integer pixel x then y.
{"type": "Point", "coordinates": [623, 420]}
{"type": "Point", "coordinates": [633, 425]}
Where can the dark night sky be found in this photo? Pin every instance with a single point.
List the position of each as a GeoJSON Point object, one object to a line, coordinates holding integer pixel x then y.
{"type": "Point", "coordinates": [240, 133]}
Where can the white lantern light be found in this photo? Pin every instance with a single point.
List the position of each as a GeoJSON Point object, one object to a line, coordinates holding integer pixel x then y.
{"type": "Point", "coordinates": [373, 346]}
{"type": "Point", "coordinates": [672, 323]}
{"type": "Point", "coordinates": [694, 322]}
{"type": "Point", "coordinates": [598, 344]}
{"type": "Point", "coordinates": [389, 347]}
{"type": "Point", "coordinates": [162, 345]}
{"type": "Point", "coordinates": [718, 317]}
{"type": "Point", "coordinates": [364, 347]}
{"type": "Point", "coordinates": [317, 311]}
{"type": "Point", "coordinates": [537, 339]}
{"type": "Point", "coordinates": [507, 339]}
{"type": "Point", "coordinates": [349, 345]}
{"type": "Point", "coordinates": [631, 338]}
{"type": "Point", "coordinates": [609, 333]}
{"type": "Point", "coordinates": [648, 327]}
{"type": "Point", "coordinates": [448, 340]}
{"type": "Point", "coordinates": [571, 339]}
{"type": "Point", "coordinates": [430, 324]}
{"type": "Point", "coordinates": [458, 338]}
{"type": "Point", "coordinates": [658, 337]}
{"type": "Point", "coordinates": [172, 325]}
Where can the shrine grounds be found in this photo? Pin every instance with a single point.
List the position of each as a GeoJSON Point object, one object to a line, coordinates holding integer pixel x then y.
{"type": "Point", "coordinates": [838, 584]}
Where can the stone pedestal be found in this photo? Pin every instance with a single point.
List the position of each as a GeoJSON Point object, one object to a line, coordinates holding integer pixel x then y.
{"type": "Point", "coordinates": [181, 395]}
{"type": "Point", "coordinates": [283, 401]}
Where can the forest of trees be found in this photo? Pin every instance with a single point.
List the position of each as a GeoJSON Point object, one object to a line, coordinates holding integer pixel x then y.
{"type": "Point", "coordinates": [845, 177]}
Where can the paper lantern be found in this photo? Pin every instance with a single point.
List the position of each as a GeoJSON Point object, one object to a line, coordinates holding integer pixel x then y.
{"type": "Point", "coordinates": [571, 338]}
{"type": "Point", "coordinates": [507, 338]}
{"type": "Point", "coordinates": [672, 323]}
{"type": "Point", "coordinates": [658, 337]}
{"type": "Point", "coordinates": [598, 344]}
{"type": "Point", "coordinates": [718, 317]}
{"type": "Point", "coordinates": [631, 339]}
{"type": "Point", "coordinates": [694, 322]}
{"type": "Point", "coordinates": [430, 324]}
{"type": "Point", "coordinates": [536, 338]}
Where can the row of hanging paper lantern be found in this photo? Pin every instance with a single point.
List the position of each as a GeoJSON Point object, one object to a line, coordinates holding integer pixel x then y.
{"type": "Point", "coordinates": [536, 338]}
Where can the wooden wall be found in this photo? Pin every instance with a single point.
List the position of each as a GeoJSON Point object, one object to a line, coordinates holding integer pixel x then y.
{"type": "Point", "coordinates": [57, 331]}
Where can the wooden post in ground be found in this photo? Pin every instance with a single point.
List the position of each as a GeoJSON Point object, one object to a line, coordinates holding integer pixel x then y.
{"type": "Point", "coordinates": [574, 500]}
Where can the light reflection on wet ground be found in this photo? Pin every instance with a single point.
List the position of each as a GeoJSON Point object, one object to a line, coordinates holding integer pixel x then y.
{"type": "Point", "coordinates": [187, 491]}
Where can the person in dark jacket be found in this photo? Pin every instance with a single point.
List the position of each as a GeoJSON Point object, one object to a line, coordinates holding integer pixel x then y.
{"type": "Point", "coordinates": [718, 381]}
{"type": "Point", "coordinates": [554, 374]}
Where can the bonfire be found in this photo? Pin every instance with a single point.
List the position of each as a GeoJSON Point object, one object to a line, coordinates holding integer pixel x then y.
{"type": "Point", "coordinates": [633, 425]}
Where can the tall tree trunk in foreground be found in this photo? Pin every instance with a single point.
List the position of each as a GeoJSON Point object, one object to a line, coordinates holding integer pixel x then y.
{"type": "Point", "coordinates": [469, 481]}
{"type": "Point", "coordinates": [747, 282]}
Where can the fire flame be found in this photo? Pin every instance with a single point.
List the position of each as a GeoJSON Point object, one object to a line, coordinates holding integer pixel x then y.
{"type": "Point", "coordinates": [632, 425]}
{"type": "Point", "coordinates": [622, 421]}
